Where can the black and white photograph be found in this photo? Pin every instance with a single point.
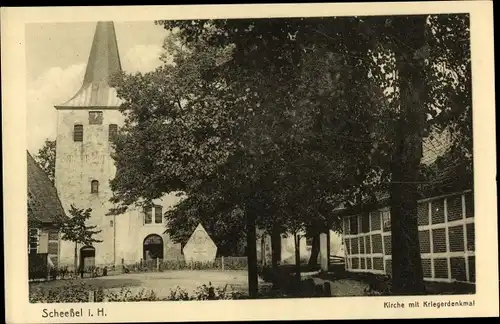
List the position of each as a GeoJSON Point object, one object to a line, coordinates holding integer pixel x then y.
{"type": "Point", "coordinates": [269, 158]}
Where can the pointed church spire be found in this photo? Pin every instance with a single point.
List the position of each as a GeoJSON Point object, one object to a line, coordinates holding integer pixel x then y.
{"type": "Point", "coordinates": [103, 63]}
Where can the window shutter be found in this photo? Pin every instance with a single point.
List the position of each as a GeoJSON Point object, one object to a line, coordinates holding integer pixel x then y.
{"type": "Point", "coordinates": [78, 133]}
{"type": "Point", "coordinates": [112, 132]}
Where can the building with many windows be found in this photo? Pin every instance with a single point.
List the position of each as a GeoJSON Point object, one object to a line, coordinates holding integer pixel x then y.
{"type": "Point", "coordinates": [445, 227]}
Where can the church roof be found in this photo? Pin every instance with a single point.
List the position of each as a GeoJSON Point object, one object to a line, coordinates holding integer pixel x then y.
{"type": "Point", "coordinates": [44, 205]}
{"type": "Point", "coordinates": [103, 63]}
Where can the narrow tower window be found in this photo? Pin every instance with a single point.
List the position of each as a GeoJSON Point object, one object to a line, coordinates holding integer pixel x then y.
{"type": "Point", "coordinates": [78, 133]}
{"type": "Point", "coordinates": [158, 214]}
{"type": "Point", "coordinates": [95, 117]}
{"type": "Point", "coordinates": [113, 130]}
{"type": "Point", "coordinates": [94, 186]}
{"type": "Point", "coordinates": [148, 216]}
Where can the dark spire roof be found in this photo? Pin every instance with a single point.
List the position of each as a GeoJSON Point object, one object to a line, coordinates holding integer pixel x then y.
{"type": "Point", "coordinates": [104, 62]}
{"type": "Point", "coordinates": [44, 205]}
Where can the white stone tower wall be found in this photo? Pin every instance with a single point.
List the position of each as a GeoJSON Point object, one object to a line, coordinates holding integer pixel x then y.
{"type": "Point", "coordinates": [78, 164]}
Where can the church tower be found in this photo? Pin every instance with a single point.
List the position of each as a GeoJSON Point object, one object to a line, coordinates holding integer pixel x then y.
{"type": "Point", "coordinates": [86, 124]}
{"type": "Point", "coordinates": [85, 128]}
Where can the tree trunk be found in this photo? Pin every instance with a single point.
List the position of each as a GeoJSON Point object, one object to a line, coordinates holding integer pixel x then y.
{"type": "Point", "coordinates": [275, 247]}
{"type": "Point", "coordinates": [76, 258]}
{"type": "Point", "coordinates": [253, 288]}
{"type": "Point", "coordinates": [406, 260]}
{"type": "Point", "coordinates": [313, 259]}
{"type": "Point", "coordinates": [297, 257]}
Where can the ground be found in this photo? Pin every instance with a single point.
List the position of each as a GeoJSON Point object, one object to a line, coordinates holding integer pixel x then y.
{"type": "Point", "coordinates": [161, 282]}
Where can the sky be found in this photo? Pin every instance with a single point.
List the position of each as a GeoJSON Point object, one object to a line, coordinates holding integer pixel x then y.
{"type": "Point", "coordinates": [56, 57]}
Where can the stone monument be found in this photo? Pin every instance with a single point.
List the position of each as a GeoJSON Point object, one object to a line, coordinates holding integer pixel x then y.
{"type": "Point", "coordinates": [200, 247]}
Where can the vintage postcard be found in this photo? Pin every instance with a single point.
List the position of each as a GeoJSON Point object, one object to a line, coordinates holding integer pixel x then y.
{"type": "Point", "coordinates": [249, 162]}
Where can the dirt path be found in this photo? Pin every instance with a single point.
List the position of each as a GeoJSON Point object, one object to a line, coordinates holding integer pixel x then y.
{"type": "Point", "coordinates": [162, 283]}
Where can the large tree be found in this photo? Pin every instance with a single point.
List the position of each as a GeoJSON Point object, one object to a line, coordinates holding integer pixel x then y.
{"type": "Point", "coordinates": [242, 133]}
{"type": "Point", "coordinates": [282, 119]}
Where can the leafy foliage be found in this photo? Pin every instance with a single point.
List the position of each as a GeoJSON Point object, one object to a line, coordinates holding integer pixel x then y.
{"type": "Point", "coordinates": [76, 229]}
{"type": "Point", "coordinates": [76, 291]}
{"type": "Point", "coordinates": [287, 119]}
{"type": "Point", "coordinates": [46, 158]}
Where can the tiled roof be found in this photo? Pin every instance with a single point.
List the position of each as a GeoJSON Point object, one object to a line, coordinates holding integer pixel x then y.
{"type": "Point", "coordinates": [43, 202]}
{"type": "Point", "coordinates": [103, 63]}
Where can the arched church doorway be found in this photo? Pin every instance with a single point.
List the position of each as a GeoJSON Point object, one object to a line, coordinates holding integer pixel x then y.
{"type": "Point", "coordinates": [87, 257]}
{"type": "Point", "coordinates": [153, 247]}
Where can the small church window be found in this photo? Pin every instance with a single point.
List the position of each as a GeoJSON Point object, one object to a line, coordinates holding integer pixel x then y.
{"type": "Point", "coordinates": [158, 214]}
{"type": "Point", "coordinates": [113, 130]}
{"type": "Point", "coordinates": [94, 186]}
{"type": "Point", "coordinates": [78, 133]}
{"type": "Point", "coordinates": [111, 223]}
{"type": "Point", "coordinates": [95, 117]}
{"type": "Point", "coordinates": [148, 216]}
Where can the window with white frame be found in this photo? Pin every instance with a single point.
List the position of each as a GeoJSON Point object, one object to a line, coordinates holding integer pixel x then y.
{"type": "Point", "coordinates": [34, 238]}
{"type": "Point", "coordinates": [157, 211]}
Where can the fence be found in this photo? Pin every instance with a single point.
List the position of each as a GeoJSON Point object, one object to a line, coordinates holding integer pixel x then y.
{"type": "Point", "coordinates": [154, 265]}
{"type": "Point", "coordinates": [446, 236]}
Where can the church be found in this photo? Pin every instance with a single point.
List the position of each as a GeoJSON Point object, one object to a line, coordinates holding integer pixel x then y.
{"type": "Point", "coordinates": [86, 124]}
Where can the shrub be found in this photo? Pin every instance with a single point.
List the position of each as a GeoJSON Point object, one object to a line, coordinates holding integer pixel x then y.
{"type": "Point", "coordinates": [75, 291]}
{"type": "Point", "coordinates": [70, 292]}
{"type": "Point", "coordinates": [230, 263]}
{"type": "Point", "coordinates": [125, 295]}
{"type": "Point", "coordinates": [235, 263]}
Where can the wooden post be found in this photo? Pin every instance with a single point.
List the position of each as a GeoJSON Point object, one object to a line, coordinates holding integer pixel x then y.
{"type": "Point", "coordinates": [323, 251]}
{"type": "Point", "coordinates": [253, 283]}
{"type": "Point", "coordinates": [158, 264]}
{"type": "Point", "coordinates": [222, 263]}
{"type": "Point", "coordinates": [327, 289]}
